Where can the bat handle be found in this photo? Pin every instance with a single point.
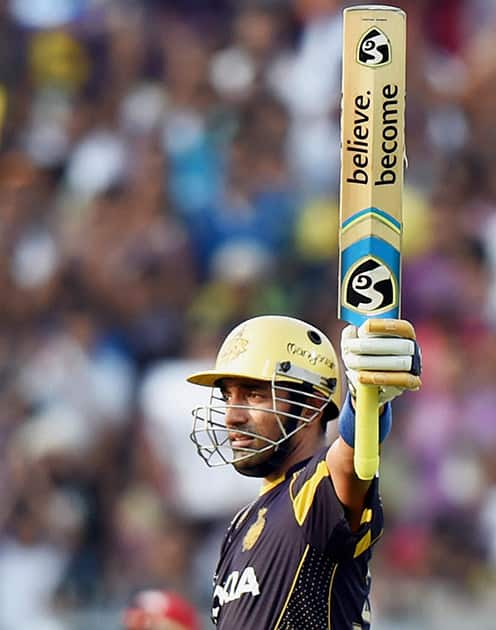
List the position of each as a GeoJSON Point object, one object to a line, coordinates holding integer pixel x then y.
{"type": "Point", "coordinates": [366, 456]}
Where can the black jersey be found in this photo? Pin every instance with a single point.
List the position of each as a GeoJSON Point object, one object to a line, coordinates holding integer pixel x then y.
{"type": "Point", "coordinates": [290, 561]}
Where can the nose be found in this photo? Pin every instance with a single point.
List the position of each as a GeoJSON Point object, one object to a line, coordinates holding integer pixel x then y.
{"type": "Point", "coordinates": [235, 415]}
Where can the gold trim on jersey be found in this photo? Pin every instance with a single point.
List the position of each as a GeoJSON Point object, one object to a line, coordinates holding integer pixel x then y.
{"type": "Point", "coordinates": [365, 542]}
{"type": "Point", "coordinates": [331, 584]}
{"type": "Point", "coordinates": [366, 516]}
{"type": "Point", "coordinates": [293, 584]}
{"type": "Point", "coordinates": [302, 502]}
{"type": "Point", "coordinates": [269, 485]}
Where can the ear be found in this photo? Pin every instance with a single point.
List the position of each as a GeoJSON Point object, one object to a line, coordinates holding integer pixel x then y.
{"type": "Point", "coordinates": [307, 413]}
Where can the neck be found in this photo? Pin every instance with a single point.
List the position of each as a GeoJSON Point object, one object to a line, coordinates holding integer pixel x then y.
{"type": "Point", "coordinates": [302, 449]}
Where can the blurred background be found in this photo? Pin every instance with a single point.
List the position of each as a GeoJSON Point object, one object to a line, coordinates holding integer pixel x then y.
{"type": "Point", "coordinates": [167, 169]}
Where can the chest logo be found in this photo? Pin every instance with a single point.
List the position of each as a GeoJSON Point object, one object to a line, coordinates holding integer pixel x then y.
{"type": "Point", "coordinates": [236, 585]}
{"type": "Point", "coordinates": [254, 531]}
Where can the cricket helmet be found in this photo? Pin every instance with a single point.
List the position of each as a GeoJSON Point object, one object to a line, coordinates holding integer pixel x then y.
{"type": "Point", "coordinates": [160, 610]}
{"type": "Point", "coordinates": [286, 352]}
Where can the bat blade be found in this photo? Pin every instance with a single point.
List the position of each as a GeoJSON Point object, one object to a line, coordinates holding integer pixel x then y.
{"type": "Point", "coordinates": [371, 187]}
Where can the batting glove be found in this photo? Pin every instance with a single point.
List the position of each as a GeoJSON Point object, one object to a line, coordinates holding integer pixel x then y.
{"type": "Point", "coordinates": [382, 352]}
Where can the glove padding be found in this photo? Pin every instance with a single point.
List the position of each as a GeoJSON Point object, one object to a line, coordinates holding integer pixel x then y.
{"type": "Point", "coordinates": [382, 352]}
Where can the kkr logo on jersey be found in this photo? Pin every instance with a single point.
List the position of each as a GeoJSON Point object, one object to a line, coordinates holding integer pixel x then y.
{"type": "Point", "coordinates": [253, 534]}
{"type": "Point", "coordinates": [236, 585]}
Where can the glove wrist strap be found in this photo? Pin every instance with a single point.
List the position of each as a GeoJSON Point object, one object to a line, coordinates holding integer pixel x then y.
{"type": "Point", "coordinates": [346, 422]}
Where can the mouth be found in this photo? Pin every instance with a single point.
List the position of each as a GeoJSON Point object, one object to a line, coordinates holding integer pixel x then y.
{"type": "Point", "coordinates": [240, 441]}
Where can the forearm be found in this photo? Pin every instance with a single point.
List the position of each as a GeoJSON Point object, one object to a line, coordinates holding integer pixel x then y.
{"type": "Point", "coordinates": [350, 489]}
{"type": "Point", "coordinates": [384, 353]}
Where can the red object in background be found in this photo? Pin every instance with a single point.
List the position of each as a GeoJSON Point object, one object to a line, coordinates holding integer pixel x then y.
{"type": "Point", "coordinates": [407, 548]}
{"type": "Point", "coordinates": [444, 24]}
{"type": "Point", "coordinates": [150, 607]}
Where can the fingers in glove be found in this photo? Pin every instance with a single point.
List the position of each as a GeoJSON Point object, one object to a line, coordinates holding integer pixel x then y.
{"type": "Point", "coordinates": [349, 332]}
{"type": "Point", "coordinates": [402, 380]}
{"type": "Point", "coordinates": [379, 345]}
{"type": "Point", "coordinates": [379, 363]}
{"type": "Point", "coordinates": [387, 327]}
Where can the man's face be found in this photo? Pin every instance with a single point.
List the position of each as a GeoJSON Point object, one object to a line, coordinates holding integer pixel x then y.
{"type": "Point", "coordinates": [252, 411]}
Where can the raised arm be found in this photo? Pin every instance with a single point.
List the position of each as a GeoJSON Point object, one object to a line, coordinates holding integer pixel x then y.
{"type": "Point", "coordinates": [381, 352]}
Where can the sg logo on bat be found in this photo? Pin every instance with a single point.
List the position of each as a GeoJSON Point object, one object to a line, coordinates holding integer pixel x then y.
{"type": "Point", "coordinates": [369, 287]}
{"type": "Point", "coordinates": [374, 48]}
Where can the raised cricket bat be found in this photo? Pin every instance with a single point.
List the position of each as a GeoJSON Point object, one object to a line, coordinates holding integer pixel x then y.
{"type": "Point", "coordinates": [372, 163]}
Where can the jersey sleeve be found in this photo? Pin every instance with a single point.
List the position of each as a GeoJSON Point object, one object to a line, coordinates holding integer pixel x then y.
{"type": "Point", "coordinates": [321, 516]}
{"type": "Point", "coordinates": [316, 507]}
{"type": "Point", "coordinates": [348, 545]}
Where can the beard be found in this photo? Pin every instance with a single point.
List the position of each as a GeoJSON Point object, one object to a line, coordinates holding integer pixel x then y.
{"type": "Point", "coordinates": [269, 461]}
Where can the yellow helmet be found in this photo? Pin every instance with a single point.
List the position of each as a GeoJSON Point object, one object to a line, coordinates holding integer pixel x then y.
{"type": "Point", "coordinates": [272, 348]}
{"type": "Point", "coordinates": [260, 346]}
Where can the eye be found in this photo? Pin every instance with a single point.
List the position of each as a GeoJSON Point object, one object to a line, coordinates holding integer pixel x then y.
{"type": "Point", "coordinates": [257, 395]}
{"type": "Point", "coordinates": [224, 395]}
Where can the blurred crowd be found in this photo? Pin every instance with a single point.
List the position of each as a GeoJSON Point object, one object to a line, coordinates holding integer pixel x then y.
{"type": "Point", "coordinates": [167, 169]}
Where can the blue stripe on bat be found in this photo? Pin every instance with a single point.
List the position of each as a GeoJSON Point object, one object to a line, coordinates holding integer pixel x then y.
{"type": "Point", "coordinates": [374, 246]}
{"type": "Point", "coordinates": [362, 213]}
{"type": "Point", "coordinates": [357, 319]}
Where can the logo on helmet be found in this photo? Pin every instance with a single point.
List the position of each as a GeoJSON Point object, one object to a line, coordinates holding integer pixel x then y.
{"type": "Point", "coordinates": [314, 358]}
{"type": "Point", "coordinates": [233, 347]}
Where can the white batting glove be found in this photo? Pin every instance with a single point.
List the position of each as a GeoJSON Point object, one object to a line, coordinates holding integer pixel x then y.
{"type": "Point", "coordinates": [382, 352]}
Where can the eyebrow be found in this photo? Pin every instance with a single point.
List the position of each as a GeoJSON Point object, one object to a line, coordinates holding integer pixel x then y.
{"type": "Point", "coordinates": [246, 385]}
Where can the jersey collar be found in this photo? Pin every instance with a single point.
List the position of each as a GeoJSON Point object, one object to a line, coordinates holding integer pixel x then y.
{"type": "Point", "coordinates": [267, 486]}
